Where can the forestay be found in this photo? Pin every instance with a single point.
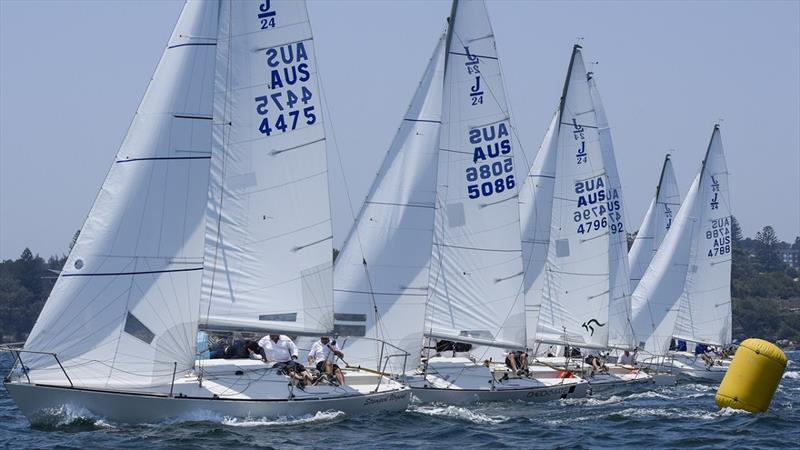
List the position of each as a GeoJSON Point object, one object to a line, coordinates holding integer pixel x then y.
{"type": "Point", "coordinates": [704, 313]}
{"type": "Point", "coordinates": [656, 223]}
{"type": "Point", "coordinates": [123, 312]}
{"type": "Point", "coordinates": [268, 252]}
{"type": "Point", "coordinates": [381, 274]}
{"type": "Point", "coordinates": [476, 265]}
{"type": "Point", "coordinates": [536, 212]}
{"type": "Point", "coordinates": [619, 326]}
{"type": "Point", "coordinates": [576, 295]}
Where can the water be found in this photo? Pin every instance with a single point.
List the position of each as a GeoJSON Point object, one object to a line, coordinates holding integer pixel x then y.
{"type": "Point", "coordinates": [675, 416]}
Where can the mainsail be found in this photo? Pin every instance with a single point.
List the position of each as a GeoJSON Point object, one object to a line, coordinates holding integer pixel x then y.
{"type": "Point", "coordinates": [576, 293]}
{"type": "Point", "coordinates": [268, 251]}
{"type": "Point", "coordinates": [657, 221]}
{"type": "Point", "coordinates": [704, 313]}
{"type": "Point", "coordinates": [476, 265]}
{"type": "Point", "coordinates": [381, 274]}
{"type": "Point", "coordinates": [691, 267]}
{"type": "Point", "coordinates": [123, 312]}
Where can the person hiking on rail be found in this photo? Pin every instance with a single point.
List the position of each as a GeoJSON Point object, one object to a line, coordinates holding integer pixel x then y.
{"type": "Point", "coordinates": [322, 354]}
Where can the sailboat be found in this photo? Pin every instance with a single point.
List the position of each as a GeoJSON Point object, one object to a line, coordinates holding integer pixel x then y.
{"type": "Point", "coordinates": [215, 214]}
{"type": "Point", "coordinates": [657, 222]}
{"type": "Point", "coordinates": [474, 290]}
{"type": "Point", "coordinates": [685, 292]}
{"type": "Point", "coordinates": [575, 251]}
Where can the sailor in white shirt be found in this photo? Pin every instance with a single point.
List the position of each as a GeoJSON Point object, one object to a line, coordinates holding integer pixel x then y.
{"type": "Point", "coordinates": [625, 359]}
{"type": "Point", "coordinates": [282, 350]}
{"type": "Point", "coordinates": [278, 348]}
{"type": "Point", "coordinates": [322, 354]}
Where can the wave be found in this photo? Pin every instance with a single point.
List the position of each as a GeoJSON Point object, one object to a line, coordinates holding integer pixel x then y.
{"type": "Point", "coordinates": [675, 413]}
{"type": "Point", "coordinates": [319, 416]}
{"type": "Point", "coordinates": [68, 418]}
{"type": "Point", "coordinates": [793, 375]}
{"type": "Point", "coordinates": [457, 412]}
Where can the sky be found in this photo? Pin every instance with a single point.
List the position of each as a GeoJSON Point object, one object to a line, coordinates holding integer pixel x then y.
{"type": "Point", "coordinates": [72, 75]}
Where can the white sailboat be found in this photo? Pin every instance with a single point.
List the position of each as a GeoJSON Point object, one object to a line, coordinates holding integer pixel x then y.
{"type": "Point", "coordinates": [685, 291]}
{"type": "Point", "coordinates": [475, 285]}
{"type": "Point", "coordinates": [574, 235]}
{"type": "Point", "coordinates": [657, 222]}
{"type": "Point", "coordinates": [214, 213]}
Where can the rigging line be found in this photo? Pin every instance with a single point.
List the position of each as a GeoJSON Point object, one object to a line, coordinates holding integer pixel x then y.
{"type": "Point", "coordinates": [226, 130]}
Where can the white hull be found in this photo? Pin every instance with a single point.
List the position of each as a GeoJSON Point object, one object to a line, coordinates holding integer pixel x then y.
{"type": "Point", "coordinates": [689, 367]}
{"type": "Point", "coordinates": [461, 381]}
{"type": "Point", "coordinates": [617, 374]}
{"type": "Point", "coordinates": [265, 394]}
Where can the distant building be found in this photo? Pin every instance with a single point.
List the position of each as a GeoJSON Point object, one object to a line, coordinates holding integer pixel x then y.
{"type": "Point", "coordinates": [790, 256]}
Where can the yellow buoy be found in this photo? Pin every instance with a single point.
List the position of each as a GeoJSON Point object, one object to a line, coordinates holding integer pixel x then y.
{"type": "Point", "coordinates": [752, 377]}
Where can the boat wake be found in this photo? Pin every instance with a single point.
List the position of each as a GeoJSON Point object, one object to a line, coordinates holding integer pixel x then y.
{"type": "Point", "coordinates": [319, 416]}
{"type": "Point", "coordinates": [68, 418]}
{"type": "Point", "coordinates": [793, 375]}
{"type": "Point", "coordinates": [457, 412]}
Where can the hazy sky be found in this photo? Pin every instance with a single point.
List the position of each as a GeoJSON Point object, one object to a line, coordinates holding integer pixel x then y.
{"type": "Point", "coordinates": [72, 75]}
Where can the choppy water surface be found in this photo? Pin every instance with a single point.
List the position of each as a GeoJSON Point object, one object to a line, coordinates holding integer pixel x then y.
{"type": "Point", "coordinates": [679, 416]}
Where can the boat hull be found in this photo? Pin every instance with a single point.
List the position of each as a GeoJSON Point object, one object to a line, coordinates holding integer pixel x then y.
{"type": "Point", "coordinates": [532, 394]}
{"type": "Point", "coordinates": [34, 400]}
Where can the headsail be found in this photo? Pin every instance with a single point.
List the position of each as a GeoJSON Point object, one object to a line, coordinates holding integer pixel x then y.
{"type": "Point", "coordinates": [536, 212]}
{"type": "Point", "coordinates": [476, 265]}
{"type": "Point", "coordinates": [657, 221]}
{"type": "Point", "coordinates": [381, 274]}
{"type": "Point", "coordinates": [575, 306]}
{"type": "Point", "coordinates": [268, 252]}
{"type": "Point", "coordinates": [692, 265]}
{"type": "Point", "coordinates": [123, 312]}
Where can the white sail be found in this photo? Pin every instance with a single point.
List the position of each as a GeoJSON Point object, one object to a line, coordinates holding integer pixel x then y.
{"type": "Point", "coordinates": [691, 265]}
{"type": "Point", "coordinates": [381, 274]}
{"type": "Point", "coordinates": [476, 267]}
{"type": "Point", "coordinates": [123, 312]}
{"type": "Point", "coordinates": [657, 221]}
{"type": "Point", "coordinates": [536, 212]}
{"type": "Point", "coordinates": [704, 313]}
{"type": "Point", "coordinates": [267, 263]}
{"type": "Point", "coordinates": [575, 304]}
{"type": "Point", "coordinates": [620, 331]}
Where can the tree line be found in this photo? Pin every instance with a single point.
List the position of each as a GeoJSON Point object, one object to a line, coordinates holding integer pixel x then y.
{"type": "Point", "coordinates": [766, 290]}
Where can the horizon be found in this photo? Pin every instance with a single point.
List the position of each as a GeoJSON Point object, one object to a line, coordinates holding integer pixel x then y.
{"type": "Point", "coordinates": [736, 61]}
